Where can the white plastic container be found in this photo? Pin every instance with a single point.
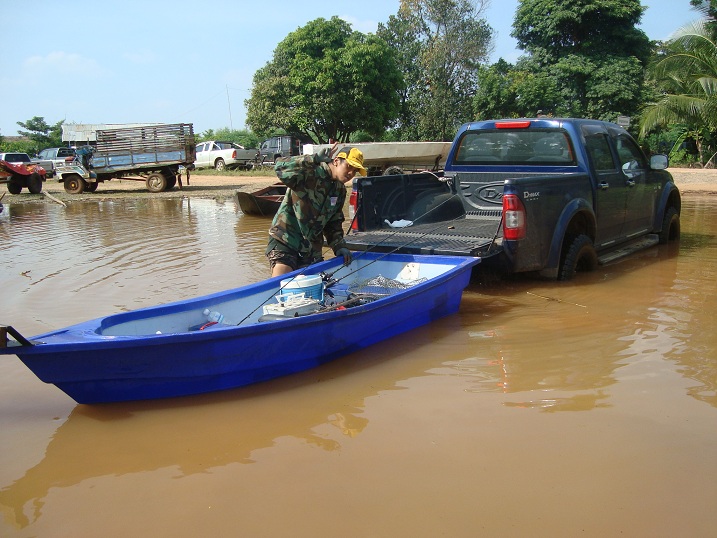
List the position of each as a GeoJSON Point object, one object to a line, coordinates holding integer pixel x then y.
{"type": "Point", "coordinates": [311, 286]}
{"type": "Point", "coordinates": [294, 304]}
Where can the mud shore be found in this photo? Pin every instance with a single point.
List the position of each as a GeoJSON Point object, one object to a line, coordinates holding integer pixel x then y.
{"type": "Point", "coordinates": [690, 182]}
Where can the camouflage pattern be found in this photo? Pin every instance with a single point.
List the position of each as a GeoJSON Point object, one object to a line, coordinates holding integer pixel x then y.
{"type": "Point", "coordinates": [312, 207]}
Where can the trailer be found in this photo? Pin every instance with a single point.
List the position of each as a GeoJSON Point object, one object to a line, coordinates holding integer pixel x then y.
{"type": "Point", "coordinates": [154, 154]}
{"type": "Point", "coordinates": [391, 158]}
{"type": "Point", "coordinates": [21, 174]}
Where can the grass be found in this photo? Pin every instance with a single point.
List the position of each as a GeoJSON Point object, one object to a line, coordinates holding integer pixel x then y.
{"type": "Point", "coordinates": [258, 171]}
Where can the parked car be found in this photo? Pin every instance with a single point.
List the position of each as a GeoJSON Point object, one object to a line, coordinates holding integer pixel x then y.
{"type": "Point", "coordinates": [224, 155]}
{"type": "Point", "coordinates": [279, 146]}
{"type": "Point", "coordinates": [49, 158]}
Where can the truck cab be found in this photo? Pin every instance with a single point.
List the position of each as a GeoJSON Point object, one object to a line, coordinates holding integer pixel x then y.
{"type": "Point", "coordinates": [279, 146]}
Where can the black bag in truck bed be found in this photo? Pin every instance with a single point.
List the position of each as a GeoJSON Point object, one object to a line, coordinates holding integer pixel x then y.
{"type": "Point", "coordinates": [440, 222]}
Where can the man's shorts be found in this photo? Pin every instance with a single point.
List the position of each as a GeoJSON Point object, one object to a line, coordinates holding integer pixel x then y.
{"type": "Point", "coordinates": [278, 252]}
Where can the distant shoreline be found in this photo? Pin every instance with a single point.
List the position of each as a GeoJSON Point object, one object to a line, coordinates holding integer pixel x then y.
{"type": "Point", "coordinates": [690, 181]}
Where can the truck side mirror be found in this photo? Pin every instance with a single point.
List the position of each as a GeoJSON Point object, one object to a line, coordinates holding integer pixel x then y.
{"type": "Point", "coordinates": [659, 162]}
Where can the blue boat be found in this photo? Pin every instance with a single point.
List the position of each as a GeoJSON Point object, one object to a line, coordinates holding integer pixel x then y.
{"type": "Point", "coordinates": [269, 329]}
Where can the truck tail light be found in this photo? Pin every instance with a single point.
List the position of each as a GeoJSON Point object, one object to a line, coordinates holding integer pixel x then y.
{"type": "Point", "coordinates": [513, 217]}
{"type": "Point", "coordinates": [234, 154]}
{"type": "Point", "coordinates": [353, 207]}
{"type": "Point", "coordinates": [512, 124]}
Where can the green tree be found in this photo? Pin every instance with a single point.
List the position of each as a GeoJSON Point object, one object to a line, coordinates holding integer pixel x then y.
{"type": "Point", "coordinates": [591, 50]}
{"type": "Point", "coordinates": [42, 134]}
{"type": "Point", "coordinates": [243, 137]}
{"type": "Point", "coordinates": [324, 82]}
{"type": "Point", "coordinates": [687, 75]}
{"type": "Point", "coordinates": [441, 44]}
{"type": "Point", "coordinates": [708, 8]}
{"type": "Point", "coordinates": [508, 91]}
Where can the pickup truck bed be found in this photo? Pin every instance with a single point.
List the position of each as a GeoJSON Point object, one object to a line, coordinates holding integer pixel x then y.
{"type": "Point", "coordinates": [441, 223]}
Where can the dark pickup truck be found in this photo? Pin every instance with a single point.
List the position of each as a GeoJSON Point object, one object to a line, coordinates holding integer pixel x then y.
{"type": "Point", "coordinates": [543, 195]}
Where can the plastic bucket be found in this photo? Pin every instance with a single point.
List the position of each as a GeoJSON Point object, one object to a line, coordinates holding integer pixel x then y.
{"type": "Point", "coordinates": [311, 286]}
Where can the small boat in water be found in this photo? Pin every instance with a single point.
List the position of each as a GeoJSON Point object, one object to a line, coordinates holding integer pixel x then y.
{"type": "Point", "coordinates": [263, 202]}
{"type": "Point", "coordinates": [254, 333]}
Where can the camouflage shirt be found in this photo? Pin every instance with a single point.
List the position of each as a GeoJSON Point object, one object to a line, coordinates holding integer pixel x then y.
{"type": "Point", "coordinates": [312, 207]}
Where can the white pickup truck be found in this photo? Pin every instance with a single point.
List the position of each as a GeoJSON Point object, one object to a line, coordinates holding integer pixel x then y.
{"type": "Point", "coordinates": [50, 158]}
{"type": "Point", "coordinates": [224, 155]}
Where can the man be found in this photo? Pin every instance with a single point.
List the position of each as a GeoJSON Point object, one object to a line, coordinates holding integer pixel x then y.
{"type": "Point", "coordinates": [312, 208]}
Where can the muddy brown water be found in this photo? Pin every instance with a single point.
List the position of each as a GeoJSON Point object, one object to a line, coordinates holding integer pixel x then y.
{"type": "Point", "coordinates": [541, 409]}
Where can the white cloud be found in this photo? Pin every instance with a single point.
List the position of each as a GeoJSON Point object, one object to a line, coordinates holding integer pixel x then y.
{"type": "Point", "coordinates": [142, 57]}
{"type": "Point", "coordinates": [61, 63]}
{"type": "Point", "coordinates": [359, 25]}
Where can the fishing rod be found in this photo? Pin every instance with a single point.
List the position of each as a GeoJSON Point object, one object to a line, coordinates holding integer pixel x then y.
{"type": "Point", "coordinates": [327, 277]}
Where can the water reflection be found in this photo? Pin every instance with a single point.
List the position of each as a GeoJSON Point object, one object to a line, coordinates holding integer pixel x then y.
{"type": "Point", "coordinates": [119, 439]}
{"type": "Point", "coordinates": [546, 339]}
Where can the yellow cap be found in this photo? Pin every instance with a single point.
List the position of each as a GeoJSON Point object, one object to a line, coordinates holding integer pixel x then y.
{"type": "Point", "coordinates": [354, 157]}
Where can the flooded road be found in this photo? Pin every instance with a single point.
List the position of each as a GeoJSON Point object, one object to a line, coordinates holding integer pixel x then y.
{"type": "Point", "coordinates": [541, 409]}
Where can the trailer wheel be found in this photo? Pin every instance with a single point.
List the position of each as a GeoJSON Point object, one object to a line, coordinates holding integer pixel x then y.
{"type": "Point", "coordinates": [74, 184]}
{"type": "Point", "coordinates": [171, 182]}
{"type": "Point", "coordinates": [14, 185]}
{"type": "Point", "coordinates": [578, 255]}
{"type": "Point", "coordinates": [156, 182]}
{"type": "Point", "coordinates": [393, 171]}
{"type": "Point", "coordinates": [219, 165]}
{"type": "Point", "coordinates": [34, 183]}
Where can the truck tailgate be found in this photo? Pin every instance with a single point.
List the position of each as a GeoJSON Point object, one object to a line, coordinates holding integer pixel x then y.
{"type": "Point", "coordinates": [459, 237]}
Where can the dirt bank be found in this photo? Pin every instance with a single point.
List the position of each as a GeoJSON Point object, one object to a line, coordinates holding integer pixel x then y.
{"type": "Point", "coordinates": [690, 181]}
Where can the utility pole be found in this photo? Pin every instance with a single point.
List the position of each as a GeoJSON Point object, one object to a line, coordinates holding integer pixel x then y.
{"type": "Point", "coordinates": [231, 126]}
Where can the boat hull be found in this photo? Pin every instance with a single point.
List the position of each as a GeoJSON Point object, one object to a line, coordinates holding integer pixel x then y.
{"type": "Point", "coordinates": [93, 365]}
{"type": "Point", "coordinates": [262, 203]}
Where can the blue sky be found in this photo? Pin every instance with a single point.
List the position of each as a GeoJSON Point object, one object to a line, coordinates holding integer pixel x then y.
{"type": "Point", "coordinates": [178, 61]}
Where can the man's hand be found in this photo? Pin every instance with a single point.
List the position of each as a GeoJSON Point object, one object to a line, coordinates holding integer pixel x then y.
{"type": "Point", "coordinates": [326, 154]}
{"type": "Point", "coordinates": [346, 253]}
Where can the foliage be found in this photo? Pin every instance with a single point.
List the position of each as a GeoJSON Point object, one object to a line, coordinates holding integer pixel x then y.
{"type": "Point", "coordinates": [326, 82]}
{"type": "Point", "coordinates": [42, 135]}
{"type": "Point", "coordinates": [708, 8]}
{"type": "Point", "coordinates": [507, 91]}
{"type": "Point", "coordinates": [242, 137]}
{"type": "Point", "coordinates": [686, 72]}
{"type": "Point", "coordinates": [585, 59]}
{"type": "Point", "coordinates": [24, 145]}
{"type": "Point", "coordinates": [440, 44]}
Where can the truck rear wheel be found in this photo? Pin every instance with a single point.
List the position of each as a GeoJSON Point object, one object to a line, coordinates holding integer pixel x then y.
{"type": "Point", "coordinates": [74, 184]}
{"type": "Point", "coordinates": [219, 165]}
{"type": "Point", "coordinates": [14, 185]}
{"type": "Point", "coordinates": [156, 182]}
{"type": "Point", "coordinates": [578, 255]}
{"type": "Point", "coordinates": [34, 183]}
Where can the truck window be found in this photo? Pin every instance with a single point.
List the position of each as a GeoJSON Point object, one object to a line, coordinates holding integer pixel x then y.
{"type": "Point", "coordinates": [629, 154]}
{"type": "Point", "coordinates": [533, 147]}
{"type": "Point", "coordinates": [599, 153]}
